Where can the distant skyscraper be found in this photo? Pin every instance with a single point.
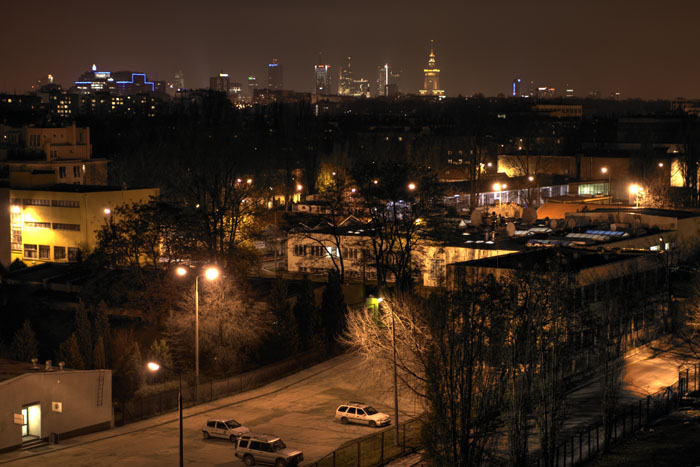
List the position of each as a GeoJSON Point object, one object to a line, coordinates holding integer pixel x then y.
{"type": "Point", "coordinates": [324, 85]}
{"type": "Point", "coordinates": [275, 75]}
{"type": "Point", "coordinates": [221, 83]}
{"type": "Point", "coordinates": [252, 85]}
{"type": "Point", "coordinates": [515, 92]}
{"type": "Point", "coordinates": [431, 83]}
{"type": "Point", "coordinates": [179, 82]}
{"type": "Point", "coordinates": [345, 83]}
{"type": "Point", "coordinates": [387, 81]}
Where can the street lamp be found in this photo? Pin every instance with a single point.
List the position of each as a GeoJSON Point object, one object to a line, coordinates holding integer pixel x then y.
{"type": "Point", "coordinates": [411, 186]}
{"type": "Point", "coordinates": [378, 301]}
{"type": "Point", "coordinates": [605, 170]}
{"type": "Point", "coordinates": [153, 366]}
{"type": "Point", "coordinates": [210, 273]}
{"type": "Point", "coordinates": [636, 190]}
{"type": "Point", "coordinates": [499, 187]}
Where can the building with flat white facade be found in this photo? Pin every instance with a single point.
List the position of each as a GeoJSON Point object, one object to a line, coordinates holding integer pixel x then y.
{"type": "Point", "coordinates": [36, 403]}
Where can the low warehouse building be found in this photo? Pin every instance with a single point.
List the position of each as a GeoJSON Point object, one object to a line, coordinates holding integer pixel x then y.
{"type": "Point", "coordinates": [41, 402]}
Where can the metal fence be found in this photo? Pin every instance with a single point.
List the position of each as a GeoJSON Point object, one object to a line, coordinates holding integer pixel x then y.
{"type": "Point", "coordinates": [376, 449]}
{"type": "Point", "coordinates": [140, 408]}
{"type": "Point", "coordinates": [589, 442]}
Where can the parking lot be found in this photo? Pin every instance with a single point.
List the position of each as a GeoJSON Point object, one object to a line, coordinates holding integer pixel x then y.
{"type": "Point", "coordinates": [298, 408]}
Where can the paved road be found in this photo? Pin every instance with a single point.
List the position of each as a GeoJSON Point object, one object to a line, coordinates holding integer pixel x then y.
{"type": "Point", "coordinates": [298, 408]}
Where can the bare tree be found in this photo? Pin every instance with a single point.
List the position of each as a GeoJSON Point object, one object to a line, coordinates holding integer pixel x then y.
{"type": "Point", "coordinates": [230, 328]}
{"type": "Point", "coordinates": [442, 344]}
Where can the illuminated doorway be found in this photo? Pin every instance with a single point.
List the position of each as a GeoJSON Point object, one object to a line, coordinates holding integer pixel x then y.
{"type": "Point", "coordinates": [31, 428]}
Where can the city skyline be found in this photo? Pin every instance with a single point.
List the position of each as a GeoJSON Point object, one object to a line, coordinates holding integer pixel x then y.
{"type": "Point", "coordinates": [645, 52]}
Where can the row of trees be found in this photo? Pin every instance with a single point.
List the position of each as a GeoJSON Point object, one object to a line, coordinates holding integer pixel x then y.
{"type": "Point", "coordinates": [492, 361]}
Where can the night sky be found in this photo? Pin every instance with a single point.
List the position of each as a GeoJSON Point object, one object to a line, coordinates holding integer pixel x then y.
{"type": "Point", "coordinates": [644, 48]}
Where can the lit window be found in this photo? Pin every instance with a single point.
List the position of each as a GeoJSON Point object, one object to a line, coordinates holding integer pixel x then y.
{"type": "Point", "coordinates": [30, 251]}
{"type": "Point", "coordinates": [44, 252]}
{"type": "Point", "coordinates": [59, 252]}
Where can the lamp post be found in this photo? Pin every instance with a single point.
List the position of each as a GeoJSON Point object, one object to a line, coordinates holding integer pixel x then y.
{"type": "Point", "coordinates": [153, 366]}
{"type": "Point", "coordinates": [211, 273]}
{"type": "Point", "coordinates": [499, 187]}
{"type": "Point", "coordinates": [605, 170]}
{"type": "Point", "coordinates": [379, 300]}
{"type": "Point", "coordinates": [636, 190]}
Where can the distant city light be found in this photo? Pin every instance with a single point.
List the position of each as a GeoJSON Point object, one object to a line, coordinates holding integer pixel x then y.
{"type": "Point", "coordinates": [411, 186]}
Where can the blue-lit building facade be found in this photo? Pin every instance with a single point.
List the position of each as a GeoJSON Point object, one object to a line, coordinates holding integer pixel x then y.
{"type": "Point", "coordinates": [121, 83]}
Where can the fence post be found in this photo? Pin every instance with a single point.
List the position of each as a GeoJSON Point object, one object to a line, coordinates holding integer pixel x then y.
{"type": "Point", "coordinates": [687, 381]}
{"type": "Point", "coordinates": [580, 446]}
{"type": "Point", "coordinates": [333, 458]}
{"type": "Point", "coordinates": [589, 441]}
{"type": "Point", "coordinates": [359, 452]}
{"type": "Point", "coordinates": [403, 449]}
{"type": "Point", "coordinates": [639, 426]}
{"type": "Point", "coordinates": [648, 402]}
{"type": "Point", "coordinates": [381, 455]}
{"type": "Point", "coordinates": [573, 450]}
{"type": "Point", "coordinates": [597, 438]}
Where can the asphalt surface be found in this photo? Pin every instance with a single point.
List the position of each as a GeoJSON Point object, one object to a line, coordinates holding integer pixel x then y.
{"type": "Point", "coordinates": [299, 408]}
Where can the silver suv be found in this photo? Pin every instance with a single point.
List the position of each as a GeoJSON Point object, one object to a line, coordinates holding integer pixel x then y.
{"type": "Point", "coordinates": [258, 448]}
{"type": "Point", "coordinates": [229, 429]}
{"type": "Point", "coordinates": [358, 412]}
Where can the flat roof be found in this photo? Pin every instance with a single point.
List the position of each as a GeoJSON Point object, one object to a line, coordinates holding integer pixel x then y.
{"type": "Point", "coordinates": [12, 368]}
{"type": "Point", "coordinates": [574, 259]}
{"type": "Point", "coordinates": [68, 188]}
{"type": "Point", "coordinates": [678, 214]}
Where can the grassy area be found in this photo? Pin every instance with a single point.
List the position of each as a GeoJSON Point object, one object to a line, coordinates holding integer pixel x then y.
{"type": "Point", "coordinates": [672, 441]}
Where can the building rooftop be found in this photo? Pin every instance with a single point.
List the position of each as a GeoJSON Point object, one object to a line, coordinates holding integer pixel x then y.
{"type": "Point", "coordinates": [74, 188]}
{"type": "Point", "coordinates": [572, 259]}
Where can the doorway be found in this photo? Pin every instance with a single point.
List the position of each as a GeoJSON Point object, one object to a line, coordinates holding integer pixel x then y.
{"type": "Point", "coordinates": [31, 428]}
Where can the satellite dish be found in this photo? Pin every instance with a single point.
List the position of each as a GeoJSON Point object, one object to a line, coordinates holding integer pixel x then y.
{"type": "Point", "coordinates": [476, 218]}
{"type": "Point", "coordinates": [510, 229]}
{"type": "Point", "coordinates": [570, 223]}
{"type": "Point", "coordinates": [529, 215]}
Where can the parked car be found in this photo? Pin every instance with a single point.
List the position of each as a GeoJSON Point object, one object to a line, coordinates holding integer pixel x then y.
{"type": "Point", "coordinates": [357, 412]}
{"type": "Point", "coordinates": [258, 448]}
{"type": "Point", "coordinates": [229, 429]}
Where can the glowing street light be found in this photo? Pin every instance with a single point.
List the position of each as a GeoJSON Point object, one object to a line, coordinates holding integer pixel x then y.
{"type": "Point", "coordinates": [107, 211]}
{"type": "Point", "coordinates": [605, 170]}
{"type": "Point", "coordinates": [499, 187]}
{"type": "Point", "coordinates": [299, 187]}
{"type": "Point", "coordinates": [411, 186]}
{"type": "Point", "coordinates": [531, 178]}
{"type": "Point", "coordinates": [636, 190]}
{"type": "Point", "coordinates": [153, 366]}
{"type": "Point", "coordinates": [661, 164]}
{"type": "Point", "coordinates": [210, 273]}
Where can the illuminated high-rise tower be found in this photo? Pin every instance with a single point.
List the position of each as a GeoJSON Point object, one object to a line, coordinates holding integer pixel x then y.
{"type": "Point", "coordinates": [323, 78]}
{"type": "Point", "coordinates": [221, 83]}
{"type": "Point", "coordinates": [275, 75]}
{"type": "Point", "coordinates": [515, 89]}
{"type": "Point", "coordinates": [345, 82]}
{"type": "Point", "coordinates": [431, 83]}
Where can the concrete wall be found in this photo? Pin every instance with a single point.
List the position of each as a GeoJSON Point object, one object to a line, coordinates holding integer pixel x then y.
{"type": "Point", "coordinates": [76, 390]}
